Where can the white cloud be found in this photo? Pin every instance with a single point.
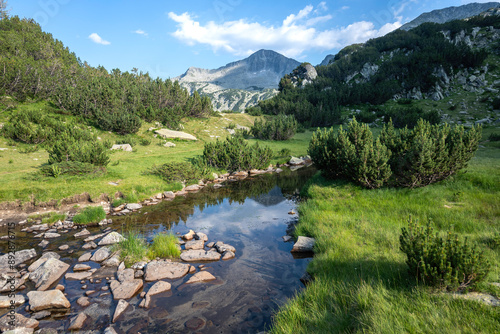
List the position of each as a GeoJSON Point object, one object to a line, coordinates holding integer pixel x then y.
{"type": "Point", "coordinates": [97, 39]}
{"type": "Point", "coordinates": [345, 8]}
{"type": "Point", "coordinates": [296, 35]}
{"type": "Point", "coordinates": [141, 32]}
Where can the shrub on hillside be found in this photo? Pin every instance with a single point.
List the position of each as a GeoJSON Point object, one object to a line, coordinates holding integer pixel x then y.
{"type": "Point", "coordinates": [235, 154]}
{"type": "Point", "coordinates": [183, 172]}
{"type": "Point", "coordinates": [351, 154]}
{"type": "Point", "coordinates": [254, 111]}
{"type": "Point", "coordinates": [428, 153]}
{"type": "Point", "coordinates": [446, 263]}
{"type": "Point", "coordinates": [408, 117]}
{"type": "Point", "coordinates": [121, 122]}
{"type": "Point", "coordinates": [71, 168]}
{"type": "Point", "coordinates": [282, 127]}
{"type": "Point", "coordinates": [67, 148]}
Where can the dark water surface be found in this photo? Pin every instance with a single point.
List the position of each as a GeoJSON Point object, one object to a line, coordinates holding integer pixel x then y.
{"type": "Point", "coordinates": [252, 215]}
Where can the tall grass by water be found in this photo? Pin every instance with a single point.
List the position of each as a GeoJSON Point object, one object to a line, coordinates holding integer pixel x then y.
{"type": "Point", "coordinates": [135, 248]}
{"type": "Point", "coordinates": [361, 278]}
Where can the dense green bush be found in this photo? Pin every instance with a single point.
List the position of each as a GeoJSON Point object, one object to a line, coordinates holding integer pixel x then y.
{"type": "Point", "coordinates": [366, 116]}
{"type": "Point", "coordinates": [428, 153]}
{"type": "Point", "coordinates": [144, 141]}
{"type": "Point", "coordinates": [446, 263]}
{"type": "Point", "coordinates": [183, 172]}
{"type": "Point", "coordinates": [496, 103]}
{"type": "Point", "coordinates": [90, 215]}
{"type": "Point", "coordinates": [235, 154]}
{"type": "Point", "coordinates": [405, 158]}
{"type": "Point", "coordinates": [351, 154]}
{"type": "Point", "coordinates": [281, 127]}
{"type": "Point", "coordinates": [254, 111]}
{"type": "Point", "coordinates": [494, 137]}
{"type": "Point", "coordinates": [408, 117]}
{"type": "Point", "coordinates": [67, 148]}
{"type": "Point", "coordinates": [122, 122]}
{"type": "Point", "coordinates": [71, 168]}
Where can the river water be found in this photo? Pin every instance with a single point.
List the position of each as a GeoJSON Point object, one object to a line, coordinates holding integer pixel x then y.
{"type": "Point", "coordinates": [252, 215]}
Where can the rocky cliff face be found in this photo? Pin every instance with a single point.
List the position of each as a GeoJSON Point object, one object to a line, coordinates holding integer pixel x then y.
{"type": "Point", "coordinates": [240, 84]}
{"type": "Point", "coordinates": [451, 13]}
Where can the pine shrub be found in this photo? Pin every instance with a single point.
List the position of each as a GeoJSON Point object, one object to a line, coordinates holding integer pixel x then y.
{"type": "Point", "coordinates": [67, 148]}
{"type": "Point", "coordinates": [445, 263]}
{"type": "Point", "coordinates": [282, 127]}
{"type": "Point", "coordinates": [183, 172]}
{"type": "Point", "coordinates": [235, 154]}
{"type": "Point", "coordinates": [122, 122]}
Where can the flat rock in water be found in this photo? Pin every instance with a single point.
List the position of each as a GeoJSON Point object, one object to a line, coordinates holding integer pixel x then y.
{"type": "Point", "coordinates": [157, 270]}
{"type": "Point", "coordinates": [113, 261]}
{"type": "Point", "coordinates": [43, 243]}
{"type": "Point", "coordinates": [200, 255]}
{"type": "Point", "coordinates": [134, 206]}
{"type": "Point", "coordinates": [169, 194]}
{"type": "Point", "coordinates": [195, 244]}
{"type": "Point", "coordinates": [63, 247]}
{"type": "Point", "coordinates": [201, 236]}
{"type": "Point", "coordinates": [166, 133]}
{"type": "Point", "coordinates": [157, 288]}
{"type": "Point", "coordinates": [120, 308]}
{"type": "Point", "coordinates": [43, 300]}
{"type": "Point", "coordinates": [83, 301]}
{"type": "Point", "coordinates": [77, 322]}
{"type": "Point", "coordinates": [6, 301]}
{"type": "Point", "coordinates": [21, 330]}
{"type": "Point", "coordinates": [51, 235]}
{"type": "Point", "coordinates": [101, 254]}
{"type": "Point", "coordinates": [20, 322]}
{"type": "Point", "coordinates": [228, 255]}
{"type": "Point", "coordinates": [85, 257]}
{"type": "Point", "coordinates": [41, 314]}
{"type": "Point", "coordinates": [222, 247]}
{"type": "Point", "coordinates": [110, 330]}
{"type": "Point", "coordinates": [21, 257]}
{"type": "Point", "coordinates": [111, 238]}
{"type": "Point", "coordinates": [126, 289]}
{"type": "Point", "coordinates": [48, 273]}
{"type": "Point", "coordinates": [81, 267]}
{"type": "Point", "coordinates": [189, 235]}
{"type": "Point", "coordinates": [201, 276]}
{"type": "Point", "coordinates": [90, 245]}
{"type": "Point", "coordinates": [83, 233]}
{"type": "Point", "coordinates": [303, 244]}
{"type": "Point", "coordinates": [126, 275]}
{"type": "Point", "coordinates": [81, 275]}
{"type": "Point", "coordinates": [193, 187]}
{"type": "Point", "coordinates": [42, 259]}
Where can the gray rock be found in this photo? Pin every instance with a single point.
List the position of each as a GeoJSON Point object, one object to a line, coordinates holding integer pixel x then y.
{"type": "Point", "coordinates": [20, 322]}
{"type": "Point", "coordinates": [85, 257]}
{"type": "Point", "coordinates": [20, 257]}
{"type": "Point", "coordinates": [83, 233]}
{"type": "Point", "coordinates": [113, 261]}
{"type": "Point", "coordinates": [111, 238]}
{"type": "Point", "coordinates": [101, 254]}
{"type": "Point", "coordinates": [20, 330]}
{"type": "Point", "coordinates": [222, 247]}
{"type": "Point", "coordinates": [83, 301]}
{"type": "Point", "coordinates": [120, 308]}
{"type": "Point", "coordinates": [228, 255]}
{"type": "Point", "coordinates": [48, 273]}
{"type": "Point", "coordinates": [48, 235]}
{"type": "Point", "coordinates": [76, 323]}
{"type": "Point", "coordinates": [193, 187]}
{"type": "Point", "coordinates": [43, 300]}
{"type": "Point", "coordinates": [40, 315]}
{"type": "Point", "coordinates": [304, 244]}
{"type": "Point", "coordinates": [123, 147]}
{"type": "Point", "coordinates": [110, 330]}
{"type": "Point", "coordinates": [126, 289]}
{"type": "Point", "coordinates": [90, 245]}
{"type": "Point", "coordinates": [6, 301]}
{"type": "Point", "coordinates": [126, 275]}
{"type": "Point", "coordinates": [78, 276]}
{"type": "Point", "coordinates": [81, 267]}
{"type": "Point", "coordinates": [42, 259]}
{"type": "Point", "coordinates": [43, 243]}
{"type": "Point", "coordinates": [63, 247]}
{"type": "Point", "coordinates": [157, 270]}
{"type": "Point", "coordinates": [169, 194]}
{"type": "Point", "coordinates": [139, 265]}
{"type": "Point", "coordinates": [189, 235]}
{"type": "Point", "coordinates": [201, 276]}
{"type": "Point", "coordinates": [200, 255]}
{"type": "Point", "coordinates": [133, 206]}
{"type": "Point", "coordinates": [201, 236]}
{"type": "Point", "coordinates": [170, 134]}
{"type": "Point", "coordinates": [195, 244]}
{"type": "Point", "coordinates": [157, 288]}
{"type": "Point", "coordinates": [169, 144]}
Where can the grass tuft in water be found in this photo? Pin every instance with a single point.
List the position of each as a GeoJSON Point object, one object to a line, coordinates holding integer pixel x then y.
{"type": "Point", "coordinates": [89, 215]}
{"type": "Point", "coordinates": [164, 246]}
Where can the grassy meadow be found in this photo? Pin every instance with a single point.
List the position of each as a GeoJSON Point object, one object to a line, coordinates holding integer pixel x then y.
{"type": "Point", "coordinates": [18, 170]}
{"type": "Point", "coordinates": [361, 281]}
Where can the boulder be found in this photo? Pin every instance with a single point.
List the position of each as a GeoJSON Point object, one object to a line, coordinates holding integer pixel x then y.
{"type": "Point", "coordinates": [83, 233]}
{"type": "Point", "coordinates": [83, 301]}
{"type": "Point", "coordinates": [20, 257]}
{"type": "Point", "coordinates": [303, 244]}
{"type": "Point", "coordinates": [120, 308]}
{"type": "Point", "coordinates": [113, 261]}
{"type": "Point", "coordinates": [169, 194]}
{"type": "Point", "coordinates": [157, 270]}
{"type": "Point", "coordinates": [193, 187]}
{"type": "Point", "coordinates": [101, 254]}
{"type": "Point", "coordinates": [51, 235]}
{"type": "Point", "coordinates": [169, 144]}
{"type": "Point", "coordinates": [81, 275]}
{"type": "Point", "coordinates": [20, 322]}
{"type": "Point", "coordinates": [134, 206]}
{"type": "Point", "coordinates": [126, 275]}
{"type": "Point", "coordinates": [201, 236]}
{"type": "Point", "coordinates": [90, 245]}
{"type": "Point", "coordinates": [157, 288]}
{"type": "Point", "coordinates": [201, 276]}
{"type": "Point", "coordinates": [189, 235]}
{"type": "Point", "coordinates": [195, 244]}
{"type": "Point", "coordinates": [85, 257]}
{"type": "Point", "coordinates": [166, 133]}
{"type": "Point", "coordinates": [111, 238]}
{"type": "Point", "coordinates": [81, 267]}
{"type": "Point", "coordinates": [48, 273]}
{"type": "Point", "coordinates": [200, 255]}
{"type": "Point", "coordinates": [76, 323]}
{"type": "Point", "coordinates": [6, 282]}
{"type": "Point", "coordinates": [43, 300]}
{"type": "Point", "coordinates": [42, 259]}
{"type": "Point", "coordinates": [6, 301]}
{"type": "Point", "coordinates": [228, 255]}
{"type": "Point", "coordinates": [222, 247]}
{"type": "Point", "coordinates": [123, 147]}
{"type": "Point", "coordinates": [125, 290]}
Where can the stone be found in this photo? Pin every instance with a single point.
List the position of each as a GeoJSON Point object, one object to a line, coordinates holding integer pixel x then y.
{"type": "Point", "coordinates": [134, 206]}
{"type": "Point", "coordinates": [20, 322]}
{"type": "Point", "coordinates": [228, 255]}
{"type": "Point", "coordinates": [113, 261]}
{"type": "Point", "coordinates": [240, 174]}
{"type": "Point", "coordinates": [211, 244]}
{"type": "Point", "coordinates": [287, 238]}
{"type": "Point", "coordinates": [51, 235]}
{"type": "Point", "coordinates": [169, 144]}
{"type": "Point", "coordinates": [63, 247]}
{"type": "Point", "coordinates": [6, 282]}
{"type": "Point", "coordinates": [294, 161]}
{"type": "Point", "coordinates": [126, 289]}
{"type": "Point", "coordinates": [85, 257]}
{"type": "Point", "coordinates": [101, 254]}
{"type": "Point", "coordinates": [111, 238]}
{"type": "Point", "coordinates": [201, 236]}
{"type": "Point", "coordinates": [83, 301]}
{"type": "Point", "coordinates": [43, 300]}
{"type": "Point", "coordinates": [120, 308]}
{"type": "Point", "coordinates": [21, 330]}
{"type": "Point", "coordinates": [89, 292]}
{"type": "Point", "coordinates": [169, 194]}
{"type": "Point", "coordinates": [21, 257]}
{"type": "Point", "coordinates": [94, 237]}
{"type": "Point", "coordinates": [170, 134]}
{"type": "Point", "coordinates": [201, 276]}
{"type": "Point", "coordinates": [121, 266]}
{"type": "Point", "coordinates": [83, 233]}
{"type": "Point", "coordinates": [200, 255]}
{"type": "Point", "coordinates": [43, 243]}
{"type": "Point", "coordinates": [6, 301]}
{"type": "Point", "coordinates": [195, 244]}
{"type": "Point", "coordinates": [42, 259]}
{"type": "Point", "coordinates": [195, 324]}
{"type": "Point", "coordinates": [189, 235]}
{"type": "Point", "coordinates": [157, 288]}
{"type": "Point", "coordinates": [303, 244]}
{"type": "Point", "coordinates": [139, 265]}
{"type": "Point", "coordinates": [40, 315]}
{"type": "Point", "coordinates": [77, 322]}
{"type": "Point", "coordinates": [90, 245]}
{"type": "Point", "coordinates": [60, 287]}
{"type": "Point", "coordinates": [222, 247]}
{"type": "Point", "coordinates": [81, 267]}
{"type": "Point", "coordinates": [126, 275]}
{"type": "Point", "coordinates": [157, 270]}
{"type": "Point", "coordinates": [193, 187]}
{"type": "Point", "coordinates": [192, 269]}
{"type": "Point", "coordinates": [81, 275]}
{"type": "Point", "coordinates": [123, 147]}
{"type": "Point", "coordinates": [48, 273]}
{"type": "Point", "coordinates": [110, 330]}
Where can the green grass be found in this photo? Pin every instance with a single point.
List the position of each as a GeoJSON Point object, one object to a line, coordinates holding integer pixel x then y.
{"type": "Point", "coordinates": [164, 246]}
{"type": "Point", "coordinates": [361, 278]}
{"type": "Point", "coordinates": [48, 217]}
{"type": "Point", "coordinates": [90, 215]}
{"type": "Point", "coordinates": [132, 249]}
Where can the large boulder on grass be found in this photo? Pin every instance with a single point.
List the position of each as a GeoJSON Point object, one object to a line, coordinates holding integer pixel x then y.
{"type": "Point", "coordinates": [171, 134]}
{"type": "Point", "coordinates": [122, 147]}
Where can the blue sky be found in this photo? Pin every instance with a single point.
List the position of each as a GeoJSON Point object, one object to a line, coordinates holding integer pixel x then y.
{"type": "Point", "coordinates": [166, 37]}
